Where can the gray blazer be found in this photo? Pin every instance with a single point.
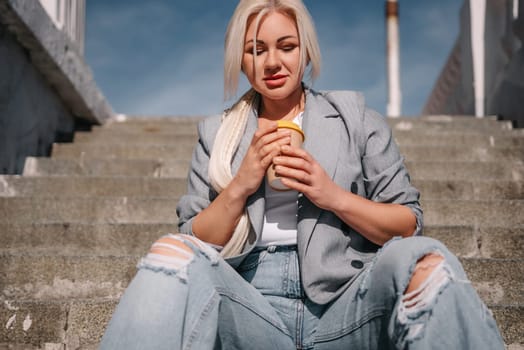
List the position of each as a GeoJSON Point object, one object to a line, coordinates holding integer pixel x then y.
{"type": "Point", "coordinates": [355, 147]}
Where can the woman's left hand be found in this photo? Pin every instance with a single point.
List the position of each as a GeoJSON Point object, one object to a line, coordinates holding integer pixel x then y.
{"type": "Point", "coordinates": [301, 172]}
{"type": "Point", "coordinates": [376, 221]}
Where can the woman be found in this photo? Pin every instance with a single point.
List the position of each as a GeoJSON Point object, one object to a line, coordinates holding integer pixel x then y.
{"type": "Point", "coordinates": [301, 268]}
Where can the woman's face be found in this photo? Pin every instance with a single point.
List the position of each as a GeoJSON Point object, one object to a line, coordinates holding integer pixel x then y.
{"type": "Point", "coordinates": [275, 73]}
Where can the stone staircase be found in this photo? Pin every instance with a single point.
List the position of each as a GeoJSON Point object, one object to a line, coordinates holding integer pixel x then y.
{"type": "Point", "coordinates": [74, 225]}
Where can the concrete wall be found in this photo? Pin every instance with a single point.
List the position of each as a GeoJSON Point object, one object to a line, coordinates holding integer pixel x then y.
{"type": "Point", "coordinates": [506, 96]}
{"type": "Point", "coordinates": [46, 88]}
{"type": "Point", "coordinates": [453, 92]}
{"type": "Point", "coordinates": [31, 114]}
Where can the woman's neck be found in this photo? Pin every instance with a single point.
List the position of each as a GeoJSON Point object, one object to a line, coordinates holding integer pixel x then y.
{"type": "Point", "coordinates": [287, 108]}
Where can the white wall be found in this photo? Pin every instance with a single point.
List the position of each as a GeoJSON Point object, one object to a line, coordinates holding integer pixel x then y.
{"type": "Point", "coordinates": [69, 16]}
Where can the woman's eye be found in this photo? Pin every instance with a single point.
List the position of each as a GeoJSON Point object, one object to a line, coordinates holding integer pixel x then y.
{"type": "Point", "coordinates": [249, 50]}
{"type": "Point", "coordinates": [288, 48]}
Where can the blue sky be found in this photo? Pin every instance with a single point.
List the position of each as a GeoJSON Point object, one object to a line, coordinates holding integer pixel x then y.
{"type": "Point", "coordinates": [164, 57]}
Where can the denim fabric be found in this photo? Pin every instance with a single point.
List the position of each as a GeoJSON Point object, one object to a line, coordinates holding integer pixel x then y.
{"type": "Point", "coordinates": [367, 316]}
{"type": "Point", "coordinates": [209, 305]}
{"type": "Point", "coordinates": [275, 273]}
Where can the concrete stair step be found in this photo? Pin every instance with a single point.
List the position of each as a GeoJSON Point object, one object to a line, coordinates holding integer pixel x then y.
{"type": "Point", "coordinates": [86, 238]}
{"type": "Point", "coordinates": [56, 277]}
{"type": "Point", "coordinates": [480, 241]}
{"type": "Point", "coordinates": [129, 238]}
{"type": "Point", "coordinates": [451, 170]}
{"type": "Point", "coordinates": [111, 151]}
{"type": "Point", "coordinates": [510, 138]}
{"type": "Point", "coordinates": [510, 320]}
{"type": "Point", "coordinates": [469, 190]}
{"type": "Point", "coordinates": [181, 152]}
{"type": "Point", "coordinates": [40, 166]}
{"type": "Point", "coordinates": [467, 123]}
{"type": "Point", "coordinates": [126, 138]}
{"type": "Point", "coordinates": [403, 138]}
{"type": "Point", "coordinates": [457, 153]}
{"type": "Point", "coordinates": [67, 186]}
{"type": "Point", "coordinates": [88, 209]}
{"type": "Point", "coordinates": [63, 186]}
{"type": "Point", "coordinates": [141, 119]}
{"type": "Point", "coordinates": [445, 123]}
{"type": "Point", "coordinates": [486, 277]}
{"type": "Point", "coordinates": [82, 322]}
{"type": "Point", "coordinates": [502, 213]}
{"type": "Point", "coordinates": [466, 170]}
{"type": "Point", "coordinates": [504, 139]}
{"type": "Point", "coordinates": [123, 132]}
{"type": "Point", "coordinates": [135, 238]}
{"type": "Point", "coordinates": [188, 126]}
{"type": "Point", "coordinates": [152, 127]}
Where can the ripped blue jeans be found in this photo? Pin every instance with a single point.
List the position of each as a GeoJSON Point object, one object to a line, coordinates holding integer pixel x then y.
{"type": "Point", "coordinates": [197, 301]}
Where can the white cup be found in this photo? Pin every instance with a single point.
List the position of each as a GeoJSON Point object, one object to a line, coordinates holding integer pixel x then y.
{"type": "Point", "coordinates": [297, 138]}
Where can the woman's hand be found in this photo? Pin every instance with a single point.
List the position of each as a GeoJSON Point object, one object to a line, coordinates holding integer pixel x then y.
{"type": "Point", "coordinates": [216, 223]}
{"type": "Point", "coordinates": [378, 222]}
{"type": "Point", "coordinates": [265, 145]}
{"type": "Point", "coordinates": [311, 179]}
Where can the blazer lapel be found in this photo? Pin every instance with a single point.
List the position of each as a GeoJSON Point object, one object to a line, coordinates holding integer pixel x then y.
{"type": "Point", "coordinates": [321, 127]}
{"type": "Point", "coordinates": [322, 130]}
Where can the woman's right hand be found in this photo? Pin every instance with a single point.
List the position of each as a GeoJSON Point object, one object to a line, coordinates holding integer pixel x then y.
{"type": "Point", "coordinates": [216, 223]}
{"type": "Point", "coordinates": [264, 146]}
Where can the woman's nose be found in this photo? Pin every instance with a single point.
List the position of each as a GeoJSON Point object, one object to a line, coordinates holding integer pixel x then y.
{"type": "Point", "coordinates": [271, 61]}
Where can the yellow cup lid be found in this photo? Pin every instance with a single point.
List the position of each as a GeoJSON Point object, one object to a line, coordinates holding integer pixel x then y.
{"type": "Point", "coordinates": [290, 125]}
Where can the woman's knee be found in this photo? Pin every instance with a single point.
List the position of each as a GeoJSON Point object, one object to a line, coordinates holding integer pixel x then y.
{"type": "Point", "coordinates": [420, 263]}
{"type": "Point", "coordinates": [424, 268]}
{"type": "Point", "coordinates": [399, 259]}
{"type": "Point", "coordinates": [173, 253]}
{"type": "Point", "coordinates": [406, 252]}
{"type": "Point", "coordinates": [173, 245]}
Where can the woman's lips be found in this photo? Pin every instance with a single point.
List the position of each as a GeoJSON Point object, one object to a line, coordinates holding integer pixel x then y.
{"type": "Point", "coordinates": [275, 81]}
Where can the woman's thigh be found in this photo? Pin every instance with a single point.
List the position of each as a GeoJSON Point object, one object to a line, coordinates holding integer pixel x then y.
{"type": "Point", "coordinates": [275, 273]}
{"type": "Point", "coordinates": [364, 316]}
{"type": "Point", "coordinates": [199, 302]}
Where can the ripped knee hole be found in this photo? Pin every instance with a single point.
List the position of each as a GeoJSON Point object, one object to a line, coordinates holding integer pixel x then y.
{"type": "Point", "coordinates": [171, 245]}
{"type": "Point", "coordinates": [423, 269]}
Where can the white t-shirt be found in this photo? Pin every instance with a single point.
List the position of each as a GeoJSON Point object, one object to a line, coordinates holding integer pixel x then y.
{"type": "Point", "coordinates": [280, 216]}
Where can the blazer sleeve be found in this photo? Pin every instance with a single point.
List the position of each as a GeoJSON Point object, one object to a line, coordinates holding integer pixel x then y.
{"type": "Point", "coordinates": [200, 193]}
{"type": "Point", "coordinates": [386, 178]}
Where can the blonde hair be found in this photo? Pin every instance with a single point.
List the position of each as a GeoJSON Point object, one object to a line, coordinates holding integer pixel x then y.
{"type": "Point", "coordinates": [236, 32]}
{"type": "Point", "coordinates": [234, 120]}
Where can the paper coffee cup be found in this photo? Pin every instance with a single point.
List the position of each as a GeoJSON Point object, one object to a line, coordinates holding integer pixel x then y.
{"type": "Point", "coordinates": [297, 138]}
